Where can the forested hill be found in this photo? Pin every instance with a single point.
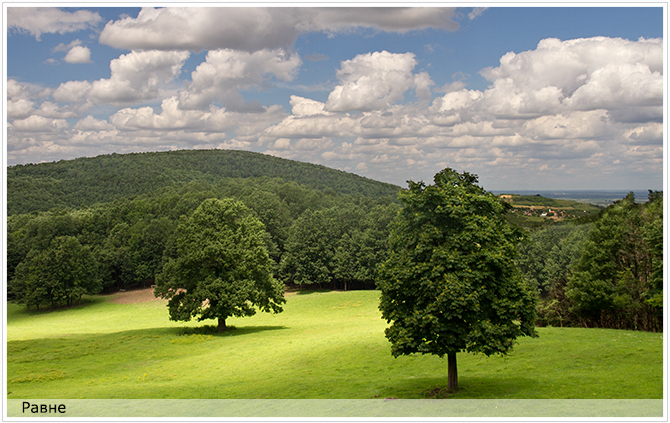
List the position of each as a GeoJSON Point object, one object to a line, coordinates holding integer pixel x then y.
{"type": "Point", "coordinates": [86, 181]}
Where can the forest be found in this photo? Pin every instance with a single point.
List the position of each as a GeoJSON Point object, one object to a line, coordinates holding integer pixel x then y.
{"type": "Point", "coordinates": [103, 224]}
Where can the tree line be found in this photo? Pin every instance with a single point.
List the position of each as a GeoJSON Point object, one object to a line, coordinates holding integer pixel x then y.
{"type": "Point", "coordinates": [606, 273]}
{"type": "Point", "coordinates": [314, 237]}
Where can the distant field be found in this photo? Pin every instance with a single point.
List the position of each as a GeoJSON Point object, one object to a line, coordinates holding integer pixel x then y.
{"type": "Point", "coordinates": [324, 345]}
{"type": "Point", "coordinates": [600, 198]}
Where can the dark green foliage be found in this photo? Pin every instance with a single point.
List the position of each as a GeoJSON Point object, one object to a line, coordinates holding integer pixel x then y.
{"type": "Point", "coordinates": [546, 259]}
{"type": "Point", "coordinates": [86, 181]}
{"type": "Point", "coordinates": [450, 283]}
{"type": "Point", "coordinates": [547, 256]}
{"type": "Point", "coordinates": [618, 281]}
{"type": "Point", "coordinates": [128, 236]}
{"type": "Point", "coordinates": [57, 276]}
{"type": "Point", "coordinates": [219, 266]}
{"type": "Point", "coordinates": [605, 272]}
{"type": "Point", "coordinates": [341, 245]}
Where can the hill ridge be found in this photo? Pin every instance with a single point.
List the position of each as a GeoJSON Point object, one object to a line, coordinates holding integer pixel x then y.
{"type": "Point", "coordinates": [88, 180]}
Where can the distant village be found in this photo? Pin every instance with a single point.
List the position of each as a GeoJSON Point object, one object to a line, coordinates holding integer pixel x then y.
{"type": "Point", "coordinates": [555, 213]}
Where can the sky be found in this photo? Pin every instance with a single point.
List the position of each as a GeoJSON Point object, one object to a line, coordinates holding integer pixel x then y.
{"type": "Point", "coordinates": [528, 98]}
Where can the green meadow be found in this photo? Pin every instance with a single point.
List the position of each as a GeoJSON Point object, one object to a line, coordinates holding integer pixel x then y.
{"type": "Point", "coordinates": [324, 345]}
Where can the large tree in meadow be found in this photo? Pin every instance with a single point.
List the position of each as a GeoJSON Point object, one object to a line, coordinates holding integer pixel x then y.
{"type": "Point", "coordinates": [450, 283]}
{"type": "Point", "coordinates": [219, 266]}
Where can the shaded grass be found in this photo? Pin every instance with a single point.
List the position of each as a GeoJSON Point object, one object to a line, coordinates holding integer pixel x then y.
{"type": "Point", "coordinates": [324, 345]}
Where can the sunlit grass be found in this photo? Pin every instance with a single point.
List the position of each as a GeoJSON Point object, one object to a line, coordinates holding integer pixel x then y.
{"type": "Point", "coordinates": [324, 345]}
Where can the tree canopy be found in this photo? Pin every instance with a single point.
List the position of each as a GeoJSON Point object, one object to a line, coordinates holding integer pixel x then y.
{"type": "Point", "coordinates": [618, 281]}
{"type": "Point", "coordinates": [450, 283]}
{"type": "Point", "coordinates": [59, 274]}
{"type": "Point", "coordinates": [86, 181]}
{"type": "Point", "coordinates": [219, 266]}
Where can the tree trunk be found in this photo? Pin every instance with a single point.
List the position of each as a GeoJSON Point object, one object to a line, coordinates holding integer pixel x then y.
{"type": "Point", "coordinates": [452, 375]}
{"type": "Point", "coordinates": [222, 325]}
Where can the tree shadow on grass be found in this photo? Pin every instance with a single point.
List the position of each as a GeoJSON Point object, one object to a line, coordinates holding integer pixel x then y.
{"type": "Point", "coordinates": [84, 344]}
{"type": "Point", "coordinates": [313, 291]}
{"type": "Point", "coordinates": [468, 388]}
{"type": "Point", "coordinates": [18, 312]}
{"type": "Point", "coordinates": [231, 330]}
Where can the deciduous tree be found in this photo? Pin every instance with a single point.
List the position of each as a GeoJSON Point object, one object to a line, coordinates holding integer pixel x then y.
{"type": "Point", "coordinates": [450, 283]}
{"type": "Point", "coordinates": [59, 274]}
{"type": "Point", "coordinates": [618, 282]}
{"type": "Point", "coordinates": [219, 266]}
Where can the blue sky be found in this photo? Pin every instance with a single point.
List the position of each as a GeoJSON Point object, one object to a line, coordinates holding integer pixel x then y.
{"type": "Point", "coordinates": [525, 97]}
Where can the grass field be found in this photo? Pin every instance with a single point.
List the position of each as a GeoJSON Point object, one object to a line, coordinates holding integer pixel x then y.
{"type": "Point", "coordinates": [324, 345]}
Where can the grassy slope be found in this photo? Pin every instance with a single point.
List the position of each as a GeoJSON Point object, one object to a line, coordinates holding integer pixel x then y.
{"type": "Point", "coordinates": [324, 345]}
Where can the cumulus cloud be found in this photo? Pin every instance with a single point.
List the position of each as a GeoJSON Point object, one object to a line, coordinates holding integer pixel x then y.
{"type": "Point", "coordinates": [71, 91]}
{"type": "Point", "coordinates": [301, 107]}
{"type": "Point", "coordinates": [89, 123]}
{"type": "Point", "coordinates": [40, 20]}
{"type": "Point", "coordinates": [135, 77]}
{"type": "Point", "coordinates": [580, 74]}
{"type": "Point", "coordinates": [573, 103]}
{"type": "Point", "coordinates": [376, 80]}
{"type": "Point", "coordinates": [51, 110]}
{"type": "Point", "coordinates": [138, 76]}
{"type": "Point", "coordinates": [258, 28]}
{"type": "Point", "coordinates": [78, 54]}
{"type": "Point", "coordinates": [212, 120]}
{"type": "Point", "coordinates": [39, 124]}
{"type": "Point", "coordinates": [19, 109]}
{"type": "Point", "coordinates": [225, 72]}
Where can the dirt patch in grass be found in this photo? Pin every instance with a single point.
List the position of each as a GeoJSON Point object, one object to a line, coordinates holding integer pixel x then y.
{"type": "Point", "coordinates": [144, 295]}
{"type": "Point", "coordinates": [135, 296]}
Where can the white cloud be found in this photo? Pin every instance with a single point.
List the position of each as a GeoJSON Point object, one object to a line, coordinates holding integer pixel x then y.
{"type": "Point", "coordinates": [650, 134]}
{"type": "Point", "coordinates": [78, 54]}
{"type": "Point", "coordinates": [375, 81]}
{"type": "Point", "coordinates": [312, 126]}
{"type": "Point", "coordinates": [138, 76]}
{"type": "Point", "coordinates": [135, 77]}
{"type": "Point", "coordinates": [392, 19]}
{"type": "Point", "coordinates": [213, 120]}
{"type": "Point", "coordinates": [198, 29]}
{"type": "Point", "coordinates": [225, 72]}
{"type": "Point", "coordinates": [258, 28]}
{"type": "Point", "coordinates": [39, 20]}
{"type": "Point", "coordinates": [40, 124]}
{"type": "Point", "coordinates": [302, 107]}
{"type": "Point", "coordinates": [51, 110]}
{"type": "Point", "coordinates": [19, 109]}
{"type": "Point", "coordinates": [71, 92]}
{"type": "Point", "coordinates": [457, 100]}
{"type": "Point", "coordinates": [580, 74]}
{"type": "Point", "coordinates": [17, 90]}
{"type": "Point", "coordinates": [573, 125]}
{"type": "Point", "coordinates": [89, 123]}
{"type": "Point", "coordinates": [619, 83]}
{"type": "Point", "coordinates": [282, 144]}
{"type": "Point", "coordinates": [476, 12]}
{"type": "Point", "coordinates": [68, 47]}
{"type": "Point", "coordinates": [541, 106]}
